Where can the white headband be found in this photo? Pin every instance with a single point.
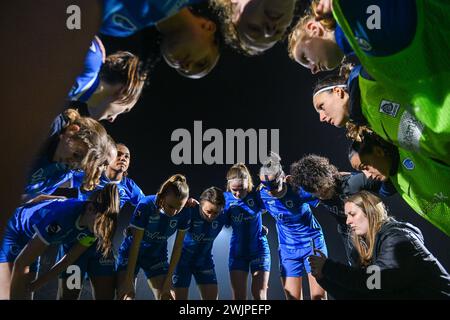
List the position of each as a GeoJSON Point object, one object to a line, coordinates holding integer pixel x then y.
{"type": "Point", "coordinates": [239, 180]}
{"type": "Point", "coordinates": [329, 88]}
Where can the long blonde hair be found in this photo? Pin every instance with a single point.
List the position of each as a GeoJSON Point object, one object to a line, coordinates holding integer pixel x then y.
{"type": "Point", "coordinates": [240, 171]}
{"type": "Point", "coordinates": [376, 213]}
{"type": "Point", "coordinates": [99, 144]}
{"type": "Point", "coordinates": [298, 33]}
{"type": "Point", "coordinates": [107, 202]}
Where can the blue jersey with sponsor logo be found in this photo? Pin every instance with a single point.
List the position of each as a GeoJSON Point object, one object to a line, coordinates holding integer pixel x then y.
{"type": "Point", "coordinates": [129, 191]}
{"type": "Point", "coordinates": [296, 224]}
{"type": "Point", "coordinates": [122, 18]}
{"type": "Point", "coordinates": [87, 82]}
{"type": "Point", "coordinates": [245, 216]}
{"type": "Point", "coordinates": [47, 178]}
{"type": "Point", "coordinates": [54, 221]}
{"type": "Point", "coordinates": [199, 239]}
{"type": "Point", "coordinates": [157, 226]}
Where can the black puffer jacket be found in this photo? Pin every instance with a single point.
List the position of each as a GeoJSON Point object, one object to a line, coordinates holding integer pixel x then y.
{"type": "Point", "coordinates": [408, 269]}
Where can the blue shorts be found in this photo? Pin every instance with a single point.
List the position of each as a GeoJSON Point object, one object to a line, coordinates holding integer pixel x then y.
{"type": "Point", "coordinates": [183, 274]}
{"type": "Point", "coordinates": [294, 262]}
{"type": "Point", "coordinates": [152, 265]}
{"type": "Point", "coordinates": [12, 244]}
{"type": "Point", "coordinates": [91, 262]}
{"type": "Point", "coordinates": [191, 264]}
{"type": "Point", "coordinates": [255, 263]}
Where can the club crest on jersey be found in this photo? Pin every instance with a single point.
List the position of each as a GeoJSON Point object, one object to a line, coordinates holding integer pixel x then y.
{"type": "Point", "coordinates": [250, 202]}
{"type": "Point", "coordinates": [388, 107]}
{"type": "Point", "coordinates": [81, 236]}
{"type": "Point", "coordinates": [214, 224]}
{"type": "Point", "coordinates": [53, 228]}
{"type": "Point", "coordinates": [137, 214]}
{"type": "Point", "coordinates": [173, 223]}
{"type": "Point", "coordinates": [408, 164]}
{"type": "Point", "coordinates": [124, 22]}
{"type": "Point", "coordinates": [363, 44]}
{"type": "Point", "coordinates": [15, 249]}
{"type": "Point", "coordinates": [289, 204]}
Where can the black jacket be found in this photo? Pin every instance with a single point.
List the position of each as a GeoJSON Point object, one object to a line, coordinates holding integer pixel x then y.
{"type": "Point", "coordinates": [347, 186]}
{"type": "Point", "coordinates": [408, 269]}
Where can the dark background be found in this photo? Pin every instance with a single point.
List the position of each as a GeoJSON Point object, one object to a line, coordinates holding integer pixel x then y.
{"type": "Point", "coordinates": [265, 92]}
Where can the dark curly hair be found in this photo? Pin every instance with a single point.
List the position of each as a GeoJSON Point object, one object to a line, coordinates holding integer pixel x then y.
{"type": "Point", "coordinates": [314, 173]}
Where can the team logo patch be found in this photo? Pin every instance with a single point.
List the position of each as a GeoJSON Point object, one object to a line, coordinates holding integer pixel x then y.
{"type": "Point", "coordinates": [53, 228]}
{"type": "Point", "coordinates": [363, 44]}
{"type": "Point", "coordinates": [173, 223]}
{"type": "Point", "coordinates": [15, 249]}
{"type": "Point", "coordinates": [137, 214]}
{"type": "Point", "coordinates": [81, 236]}
{"type": "Point", "coordinates": [250, 202]}
{"type": "Point", "coordinates": [175, 279]}
{"type": "Point", "coordinates": [290, 204]}
{"type": "Point", "coordinates": [408, 164]}
{"type": "Point", "coordinates": [214, 224]}
{"type": "Point", "coordinates": [390, 108]}
{"type": "Point", "coordinates": [124, 22]}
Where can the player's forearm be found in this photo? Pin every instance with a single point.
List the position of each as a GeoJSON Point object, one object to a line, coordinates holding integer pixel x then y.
{"type": "Point", "coordinates": [19, 284]}
{"type": "Point", "coordinates": [133, 254]}
{"type": "Point", "coordinates": [176, 254]}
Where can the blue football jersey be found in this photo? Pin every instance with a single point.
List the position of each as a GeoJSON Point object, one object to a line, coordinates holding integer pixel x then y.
{"type": "Point", "coordinates": [129, 191]}
{"type": "Point", "coordinates": [54, 221]}
{"type": "Point", "coordinates": [47, 178]}
{"type": "Point", "coordinates": [87, 82]}
{"type": "Point", "coordinates": [201, 235]}
{"type": "Point", "coordinates": [122, 18]}
{"type": "Point", "coordinates": [157, 225]}
{"type": "Point", "coordinates": [245, 216]}
{"type": "Point", "coordinates": [296, 224]}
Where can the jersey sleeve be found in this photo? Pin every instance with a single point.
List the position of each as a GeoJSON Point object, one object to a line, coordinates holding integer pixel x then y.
{"type": "Point", "coordinates": [46, 180]}
{"type": "Point", "coordinates": [141, 215]}
{"type": "Point", "coordinates": [136, 193]}
{"type": "Point", "coordinates": [58, 125]}
{"type": "Point", "coordinates": [308, 198]}
{"type": "Point", "coordinates": [85, 83]}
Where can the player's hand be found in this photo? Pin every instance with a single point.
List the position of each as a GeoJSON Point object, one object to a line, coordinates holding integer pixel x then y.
{"type": "Point", "coordinates": [126, 291]}
{"type": "Point", "coordinates": [167, 295]}
{"type": "Point", "coordinates": [191, 202]}
{"type": "Point", "coordinates": [317, 263]}
{"type": "Point", "coordinates": [324, 9]}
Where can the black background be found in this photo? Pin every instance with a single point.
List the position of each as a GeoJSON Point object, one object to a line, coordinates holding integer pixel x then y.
{"type": "Point", "coordinates": [264, 92]}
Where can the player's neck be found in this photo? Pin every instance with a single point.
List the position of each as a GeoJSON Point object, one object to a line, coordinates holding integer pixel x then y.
{"type": "Point", "coordinates": [114, 175]}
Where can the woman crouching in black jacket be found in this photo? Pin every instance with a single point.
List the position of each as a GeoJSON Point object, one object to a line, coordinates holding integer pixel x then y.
{"type": "Point", "coordinates": [393, 260]}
